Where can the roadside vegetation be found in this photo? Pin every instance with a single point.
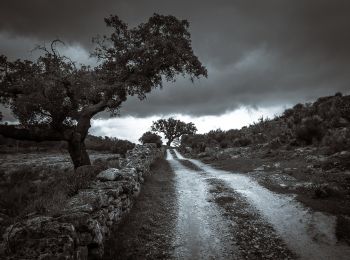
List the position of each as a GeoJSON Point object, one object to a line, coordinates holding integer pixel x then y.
{"type": "Point", "coordinates": [150, 137]}
{"type": "Point", "coordinates": [305, 151]}
{"type": "Point", "coordinates": [38, 178]}
{"type": "Point", "coordinates": [324, 124]}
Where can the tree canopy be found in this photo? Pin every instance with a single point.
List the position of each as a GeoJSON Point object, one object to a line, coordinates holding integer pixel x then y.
{"type": "Point", "coordinates": [173, 128]}
{"type": "Point", "coordinates": [149, 137]}
{"type": "Point", "coordinates": [54, 99]}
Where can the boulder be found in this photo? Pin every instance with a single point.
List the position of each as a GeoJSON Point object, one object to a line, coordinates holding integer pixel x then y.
{"type": "Point", "coordinates": [113, 174]}
{"type": "Point", "coordinates": [110, 174]}
{"type": "Point", "coordinates": [260, 168]}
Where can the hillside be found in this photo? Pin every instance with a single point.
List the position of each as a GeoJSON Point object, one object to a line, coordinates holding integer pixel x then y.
{"type": "Point", "coordinates": [323, 124]}
{"type": "Point", "coordinates": [305, 151]}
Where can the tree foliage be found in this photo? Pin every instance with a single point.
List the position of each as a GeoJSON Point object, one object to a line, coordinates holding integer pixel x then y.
{"type": "Point", "coordinates": [54, 99]}
{"type": "Point", "coordinates": [149, 137]}
{"type": "Point", "coordinates": [173, 128]}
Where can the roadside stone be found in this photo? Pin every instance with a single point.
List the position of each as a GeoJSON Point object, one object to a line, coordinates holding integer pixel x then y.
{"type": "Point", "coordinates": [109, 174]}
{"type": "Point", "coordinates": [343, 154]}
{"type": "Point", "coordinates": [277, 165]}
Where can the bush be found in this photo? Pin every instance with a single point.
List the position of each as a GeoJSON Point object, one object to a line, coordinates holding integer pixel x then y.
{"type": "Point", "coordinates": [197, 142]}
{"type": "Point", "coordinates": [337, 140]}
{"type": "Point", "coordinates": [275, 143]}
{"type": "Point", "coordinates": [311, 130]}
{"type": "Point", "coordinates": [244, 141]}
{"type": "Point", "coordinates": [218, 135]}
{"type": "Point", "coordinates": [122, 146]}
{"type": "Point", "coordinates": [149, 138]}
{"type": "Point", "coordinates": [99, 143]}
{"type": "Point", "coordinates": [224, 143]}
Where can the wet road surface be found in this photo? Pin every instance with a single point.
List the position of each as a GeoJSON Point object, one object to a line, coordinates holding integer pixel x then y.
{"type": "Point", "coordinates": [205, 213]}
{"type": "Point", "coordinates": [308, 234]}
{"type": "Point", "coordinates": [201, 231]}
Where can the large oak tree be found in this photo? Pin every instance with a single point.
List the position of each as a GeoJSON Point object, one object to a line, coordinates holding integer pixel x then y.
{"type": "Point", "coordinates": [55, 100]}
{"type": "Point", "coordinates": [173, 128]}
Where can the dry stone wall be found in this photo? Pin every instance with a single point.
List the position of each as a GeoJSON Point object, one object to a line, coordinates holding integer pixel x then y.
{"type": "Point", "coordinates": [80, 229]}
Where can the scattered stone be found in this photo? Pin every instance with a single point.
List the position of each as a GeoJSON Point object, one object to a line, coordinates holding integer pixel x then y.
{"type": "Point", "coordinates": [109, 175]}
{"type": "Point", "coordinates": [277, 165]}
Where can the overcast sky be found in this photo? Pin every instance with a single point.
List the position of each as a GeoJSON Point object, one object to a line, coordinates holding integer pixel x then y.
{"type": "Point", "coordinates": [261, 56]}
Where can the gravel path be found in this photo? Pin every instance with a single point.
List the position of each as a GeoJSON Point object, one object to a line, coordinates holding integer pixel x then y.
{"type": "Point", "coordinates": [188, 210]}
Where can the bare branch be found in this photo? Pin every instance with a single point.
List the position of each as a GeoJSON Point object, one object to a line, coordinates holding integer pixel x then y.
{"type": "Point", "coordinates": [53, 48]}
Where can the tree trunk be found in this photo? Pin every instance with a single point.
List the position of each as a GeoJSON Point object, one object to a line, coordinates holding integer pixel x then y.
{"type": "Point", "coordinates": [169, 142]}
{"type": "Point", "coordinates": [78, 154]}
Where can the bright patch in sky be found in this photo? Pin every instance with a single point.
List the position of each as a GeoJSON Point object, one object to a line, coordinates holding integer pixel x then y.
{"type": "Point", "coordinates": [132, 128]}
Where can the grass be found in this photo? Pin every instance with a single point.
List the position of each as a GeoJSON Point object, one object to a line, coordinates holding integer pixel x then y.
{"type": "Point", "coordinates": [40, 190]}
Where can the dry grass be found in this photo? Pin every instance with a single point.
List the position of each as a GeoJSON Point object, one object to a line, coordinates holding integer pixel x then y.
{"type": "Point", "coordinates": [39, 190]}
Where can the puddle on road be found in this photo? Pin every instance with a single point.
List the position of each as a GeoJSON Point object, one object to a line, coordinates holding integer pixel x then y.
{"type": "Point", "coordinates": [201, 233]}
{"type": "Point", "coordinates": [311, 235]}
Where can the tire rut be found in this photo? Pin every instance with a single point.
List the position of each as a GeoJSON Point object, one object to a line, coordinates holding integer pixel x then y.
{"type": "Point", "coordinates": [255, 238]}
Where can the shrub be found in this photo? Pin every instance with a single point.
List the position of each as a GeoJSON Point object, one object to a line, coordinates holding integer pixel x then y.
{"type": "Point", "coordinates": [338, 94]}
{"type": "Point", "coordinates": [99, 143]}
{"type": "Point", "coordinates": [198, 142]}
{"type": "Point", "coordinates": [218, 135]}
{"type": "Point", "coordinates": [244, 141]}
{"type": "Point", "coordinates": [275, 143]}
{"type": "Point", "coordinates": [150, 137]}
{"type": "Point", "coordinates": [310, 130]}
{"type": "Point", "coordinates": [122, 146]}
{"type": "Point", "coordinates": [224, 143]}
{"type": "Point", "coordinates": [337, 140]}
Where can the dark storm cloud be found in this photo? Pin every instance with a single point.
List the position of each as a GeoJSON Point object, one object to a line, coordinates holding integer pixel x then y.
{"type": "Point", "coordinates": [258, 53]}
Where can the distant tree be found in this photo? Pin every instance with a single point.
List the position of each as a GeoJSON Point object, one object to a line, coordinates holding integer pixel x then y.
{"type": "Point", "coordinates": [55, 100]}
{"type": "Point", "coordinates": [150, 137]}
{"type": "Point", "coordinates": [173, 128]}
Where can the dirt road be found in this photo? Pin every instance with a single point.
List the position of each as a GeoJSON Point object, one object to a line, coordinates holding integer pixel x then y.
{"type": "Point", "coordinates": [189, 210]}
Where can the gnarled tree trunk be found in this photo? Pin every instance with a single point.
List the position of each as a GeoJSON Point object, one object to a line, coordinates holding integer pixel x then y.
{"type": "Point", "coordinates": [77, 151]}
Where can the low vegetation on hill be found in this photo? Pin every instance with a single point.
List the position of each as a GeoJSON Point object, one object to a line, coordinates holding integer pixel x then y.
{"type": "Point", "coordinates": [324, 124]}
{"type": "Point", "coordinates": [304, 151]}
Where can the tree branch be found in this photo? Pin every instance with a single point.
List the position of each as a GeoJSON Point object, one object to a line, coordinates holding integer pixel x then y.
{"type": "Point", "coordinates": [86, 114]}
